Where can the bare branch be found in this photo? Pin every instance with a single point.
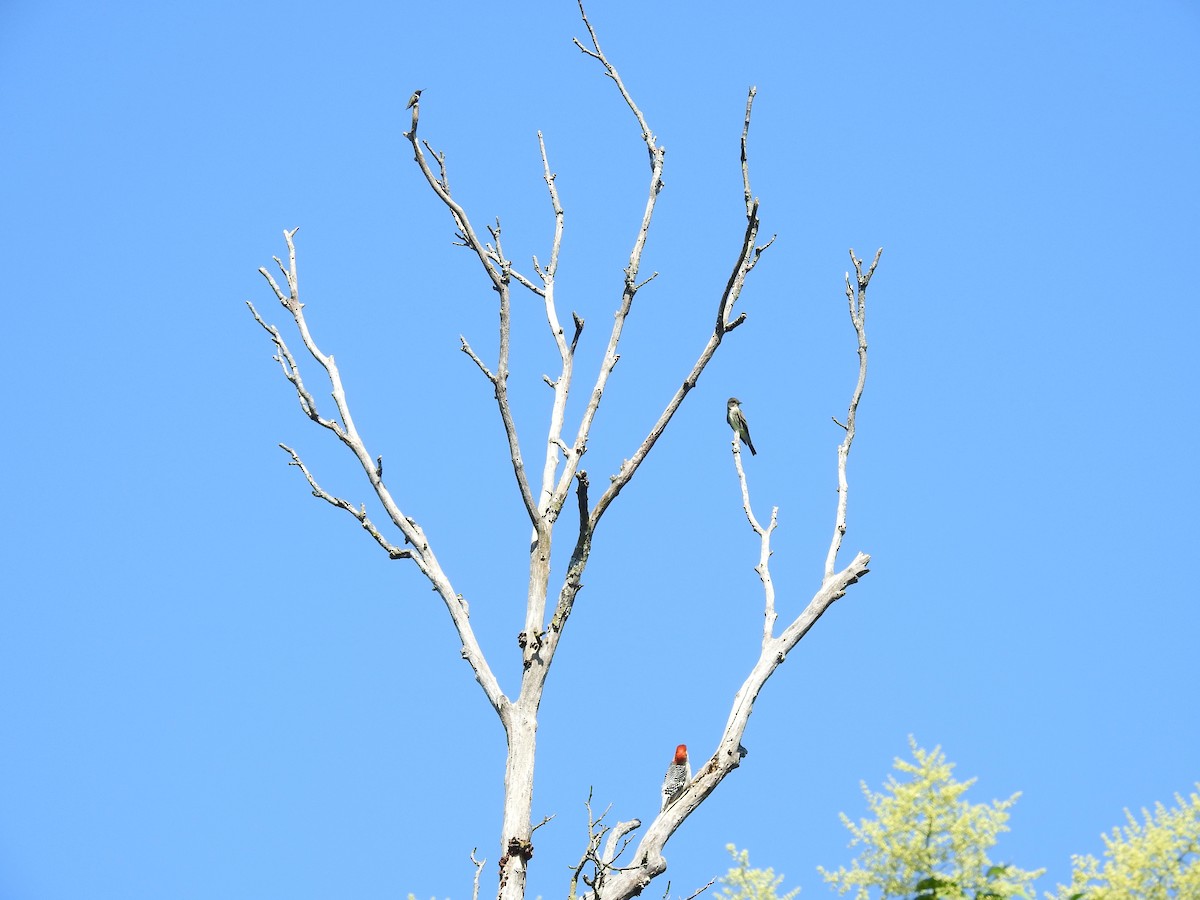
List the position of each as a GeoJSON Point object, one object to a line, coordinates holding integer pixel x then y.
{"type": "Point", "coordinates": [642, 284]}
{"type": "Point", "coordinates": [360, 513]}
{"type": "Point", "coordinates": [274, 286]}
{"type": "Point", "coordinates": [526, 282]}
{"type": "Point", "coordinates": [735, 323]}
{"type": "Point", "coordinates": [466, 348]}
{"type": "Point", "coordinates": [598, 54]}
{"type": "Point", "coordinates": [748, 195]}
{"type": "Point", "coordinates": [856, 297]}
{"type": "Point", "coordinates": [556, 245]}
{"type": "Point", "coordinates": [499, 272]}
{"type": "Point", "coordinates": [422, 553]}
{"type": "Point", "coordinates": [308, 405]}
{"type": "Point", "coordinates": [442, 178]}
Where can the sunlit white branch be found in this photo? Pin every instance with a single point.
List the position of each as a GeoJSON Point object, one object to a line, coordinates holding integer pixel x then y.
{"type": "Point", "coordinates": [422, 553]}
{"type": "Point", "coordinates": [856, 297]}
{"type": "Point", "coordinates": [764, 552]}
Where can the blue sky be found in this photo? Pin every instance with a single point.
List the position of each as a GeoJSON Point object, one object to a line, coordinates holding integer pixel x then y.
{"type": "Point", "coordinates": [212, 684]}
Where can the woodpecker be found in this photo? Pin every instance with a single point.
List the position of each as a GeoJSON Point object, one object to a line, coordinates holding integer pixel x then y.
{"type": "Point", "coordinates": [737, 422]}
{"type": "Point", "coordinates": [679, 774]}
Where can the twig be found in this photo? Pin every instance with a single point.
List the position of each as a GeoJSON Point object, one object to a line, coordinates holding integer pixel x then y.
{"type": "Point", "coordinates": [466, 348]}
{"type": "Point", "coordinates": [595, 836]}
{"type": "Point", "coordinates": [602, 863]}
{"type": "Point", "coordinates": [360, 513]}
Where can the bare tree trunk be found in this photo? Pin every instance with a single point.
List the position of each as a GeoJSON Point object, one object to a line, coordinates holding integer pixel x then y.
{"type": "Point", "coordinates": [517, 830]}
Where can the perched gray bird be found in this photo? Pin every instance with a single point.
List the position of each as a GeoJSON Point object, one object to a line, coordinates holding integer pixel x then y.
{"type": "Point", "coordinates": [738, 423]}
{"type": "Point", "coordinates": [379, 467]}
{"type": "Point", "coordinates": [414, 99]}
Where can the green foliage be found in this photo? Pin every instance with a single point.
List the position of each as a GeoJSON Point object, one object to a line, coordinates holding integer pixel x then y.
{"type": "Point", "coordinates": [1158, 860]}
{"type": "Point", "coordinates": [926, 843]}
{"type": "Point", "coordinates": [744, 883]}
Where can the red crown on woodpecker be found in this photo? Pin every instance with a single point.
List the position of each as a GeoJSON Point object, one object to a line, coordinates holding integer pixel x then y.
{"type": "Point", "coordinates": [681, 754]}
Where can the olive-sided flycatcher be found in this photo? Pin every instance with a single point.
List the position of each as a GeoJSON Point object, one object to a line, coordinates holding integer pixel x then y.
{"type": "Point", "coordinates": [738, 423]}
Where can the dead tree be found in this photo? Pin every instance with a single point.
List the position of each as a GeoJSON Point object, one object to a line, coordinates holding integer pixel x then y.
{"type": "Point", "coordinates": [544, 497]}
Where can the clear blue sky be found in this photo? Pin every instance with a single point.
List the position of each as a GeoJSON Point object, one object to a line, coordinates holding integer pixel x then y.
{"type": "Point", "coordinates": [213, 685]}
